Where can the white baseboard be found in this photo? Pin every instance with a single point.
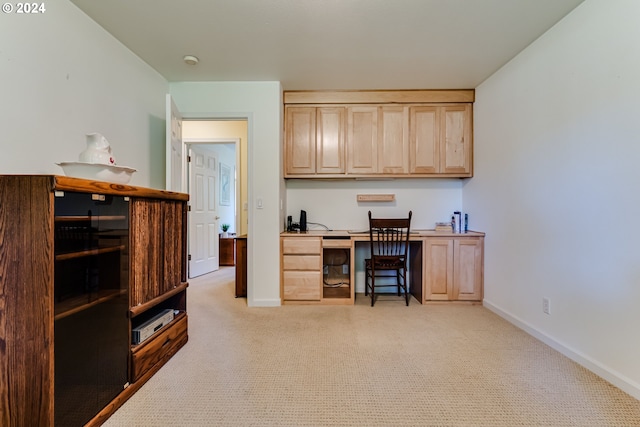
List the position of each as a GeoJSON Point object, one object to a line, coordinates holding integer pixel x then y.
{"type": "Point", "coordinates": [615, 378]}
{"type": "Point", "coordinates": [264, 303]}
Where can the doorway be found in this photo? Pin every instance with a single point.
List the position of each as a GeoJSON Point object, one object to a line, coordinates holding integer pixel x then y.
{"type": "Point", "coordinates": [217, 189]}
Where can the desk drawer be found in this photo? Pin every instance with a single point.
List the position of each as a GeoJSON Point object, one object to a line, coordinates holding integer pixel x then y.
{"type": "Point", "coordinates": [301, 262]}
{"type": "Point", "coordinates": [159, 349]}
{"type": "Point", "coordinates": [336, 243]}
{"type": "Point", "coordinates": [301, 245]}
{"type": "Point", "coordinates": [301, 285]}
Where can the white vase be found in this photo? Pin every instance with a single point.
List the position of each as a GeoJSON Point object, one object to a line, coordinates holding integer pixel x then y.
{"type": "Point", "coordinates": [225, 234]}
{"type": "Point", "coordinates": [98, 150]}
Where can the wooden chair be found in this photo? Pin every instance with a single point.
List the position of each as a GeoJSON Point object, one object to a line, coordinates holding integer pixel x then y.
{"type": "Point", "coordinates": [389, 241]}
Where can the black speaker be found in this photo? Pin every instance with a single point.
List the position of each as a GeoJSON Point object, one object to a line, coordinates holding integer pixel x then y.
{"type": "Point", "coordinates": [289, 223]}
{"type": "Point", "coordinates": [303, 220]}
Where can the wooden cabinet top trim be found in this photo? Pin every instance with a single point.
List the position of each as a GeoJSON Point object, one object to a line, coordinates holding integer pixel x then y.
{"type": "Point", "coordinates": [78, 184]}
{"type": "Point", "coordinates": [66, 183]}
{"type": "Point", "coordinates": [378, 96]}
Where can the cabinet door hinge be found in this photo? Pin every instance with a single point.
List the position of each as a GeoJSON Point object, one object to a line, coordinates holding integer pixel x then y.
{"type": "Point", "coordinates": [189, 257]}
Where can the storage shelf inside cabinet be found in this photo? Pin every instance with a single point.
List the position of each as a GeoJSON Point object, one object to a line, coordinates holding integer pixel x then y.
{"type": "Point", "coordinates": [137, 347]}
{"type": "Point", "coordinates": [139, 309]}
{"type": "Point", "coordinates": [78, 218]}
{"type": "Point", "coordinates": [88, 252]}
{"type": "Point", "coordinates": [83, 302]}
{"type": "Point", "coordinates": [336, 277]}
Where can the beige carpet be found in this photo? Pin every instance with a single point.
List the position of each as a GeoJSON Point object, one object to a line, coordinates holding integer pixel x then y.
{"type": "Point", "coordinates": [390, 365]}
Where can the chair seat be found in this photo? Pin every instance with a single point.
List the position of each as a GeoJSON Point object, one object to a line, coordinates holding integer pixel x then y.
{"type": "Point", "coordinates": [390, 263]}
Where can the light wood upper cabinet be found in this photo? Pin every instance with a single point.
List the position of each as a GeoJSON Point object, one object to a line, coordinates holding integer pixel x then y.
{"type": "Point", "coordinates": [397, 134]}
{"type": "Point", "coordinates": [330, 139]}
{"type": "Point", "coordinates": [300, 143]}
{"type": "Point", "coordinates": [377, 140]}
{"type": "Point", "coordinates": [393, 140]}
{"type": "Point", "coordinates": [455, 134]}
{"type": "Point", "coordinates": [425, 137]}
{"type": "Point", "coordinates": [362, 137]}
{"type": "Point", "coordinates": [314, 140]}
{"type": "Point", "coordinates": [441, 140]}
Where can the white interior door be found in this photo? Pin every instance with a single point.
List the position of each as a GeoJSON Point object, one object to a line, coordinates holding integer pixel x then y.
{"type": "Point", "coordinates": [174, 170]}
{"type": "Point", "coordinates": [203, 216]}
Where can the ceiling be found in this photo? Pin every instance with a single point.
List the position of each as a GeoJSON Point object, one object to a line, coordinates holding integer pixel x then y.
{"type": "Point", "coordinates": [329, 44]}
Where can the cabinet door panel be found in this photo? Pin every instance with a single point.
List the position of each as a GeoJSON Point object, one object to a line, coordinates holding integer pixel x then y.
{"type": "Point", "coordinates": [362, 140]}
{"type": "Point", "coordinates": [91, 325]}
{"type": "Point", "coordinates": [172, 244]}
{"type": "Point", "coordinates": [330, 140]}
{"type": "Point", "coordinates": [456, 131]}
{"type": "Point", "coordinates": [146, 243]}
{"type": "Point", "coordinates": [438, 269]}
{"type": "Point", "coordinates": [300, 140]}
{"type": "Point", "coordinates": [393, 143]}
{"type": "Point", "coordinates": [157, 229]}
{"type": "Point", "coordinates": [424, 146]}
{"type": "Point", "coordinates": [468, 270]}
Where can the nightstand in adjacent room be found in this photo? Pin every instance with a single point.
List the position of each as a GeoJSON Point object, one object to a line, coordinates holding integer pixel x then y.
{"type": "Point", "coordinates": [228, 251]}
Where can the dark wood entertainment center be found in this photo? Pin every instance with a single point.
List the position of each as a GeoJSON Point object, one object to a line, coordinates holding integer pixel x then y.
{"type": "Point", "coordinates": [82, 263]}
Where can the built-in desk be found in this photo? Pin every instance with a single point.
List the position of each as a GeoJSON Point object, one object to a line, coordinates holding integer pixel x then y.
{"type": "Point", "coordinates": [442, 266]}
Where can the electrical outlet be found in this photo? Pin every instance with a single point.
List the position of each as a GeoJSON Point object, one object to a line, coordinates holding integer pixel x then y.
{"type": "Point", "coordinates": [325, 269]}
{"type": "Point", "coordinates": [546, 306]}
{"type": "Point", "coordinates": [345, 269]}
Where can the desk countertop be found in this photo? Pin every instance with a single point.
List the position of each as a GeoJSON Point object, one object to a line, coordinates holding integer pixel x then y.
{"type": "Point", "coordinates": [359, 234]}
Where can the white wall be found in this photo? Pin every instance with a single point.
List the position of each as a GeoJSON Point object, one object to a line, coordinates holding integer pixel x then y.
{"type": "Point", "coordinates": [62, 76]}
{"type": "Point", "coordinates": [261, 104]}
{"type": "Point", "coordinates": [334, 203]}
{"type": "Point", "coordinates": [557, 151]}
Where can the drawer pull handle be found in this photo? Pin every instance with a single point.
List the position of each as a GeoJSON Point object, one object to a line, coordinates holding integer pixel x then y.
{"type": "Point", "coordinates": [167, 341]}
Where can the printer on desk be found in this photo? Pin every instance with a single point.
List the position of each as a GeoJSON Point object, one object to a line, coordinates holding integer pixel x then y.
{"type": "Point", "coordinates": [301, 226]}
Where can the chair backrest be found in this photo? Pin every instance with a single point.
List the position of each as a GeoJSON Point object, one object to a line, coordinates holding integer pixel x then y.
{"type": "Point", "coordinates": [389, 237]}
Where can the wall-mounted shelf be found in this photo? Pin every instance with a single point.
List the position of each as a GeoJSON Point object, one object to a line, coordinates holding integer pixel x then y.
{"type": "Point", "coordinates": [376, 197]}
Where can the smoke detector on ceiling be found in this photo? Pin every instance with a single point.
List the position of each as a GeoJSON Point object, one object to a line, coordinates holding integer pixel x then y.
{"type": "Point", "coordinates": [191, 60]}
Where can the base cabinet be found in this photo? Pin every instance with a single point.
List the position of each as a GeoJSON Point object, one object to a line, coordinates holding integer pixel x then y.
{"type": "Point", "coordinates": [241, 266]}
{"type": "Point", "coordinates": [227, 251]}
{"type": "Point", "coordinates": [316, 271]}
{"type": "Point", "coordinates": [83, 262]}
{"type": "Point", "coordinates": [453, 269]}
{"type": "Point", "coordinates": [301, 268]}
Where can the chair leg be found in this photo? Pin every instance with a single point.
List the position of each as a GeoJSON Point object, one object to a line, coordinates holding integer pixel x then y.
{"type": "Point", "coordinates": [366, 279]}
{"type": "Point", "coordinates": [373, 288]}
{"type": "Point", "coordinates": [404, 286]}
{"type": "Point", "coordinates": [366, 284]}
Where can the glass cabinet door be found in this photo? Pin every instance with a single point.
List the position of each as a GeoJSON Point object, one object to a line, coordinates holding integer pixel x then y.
{"type": "Point", "coordinates": [91, 303]}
